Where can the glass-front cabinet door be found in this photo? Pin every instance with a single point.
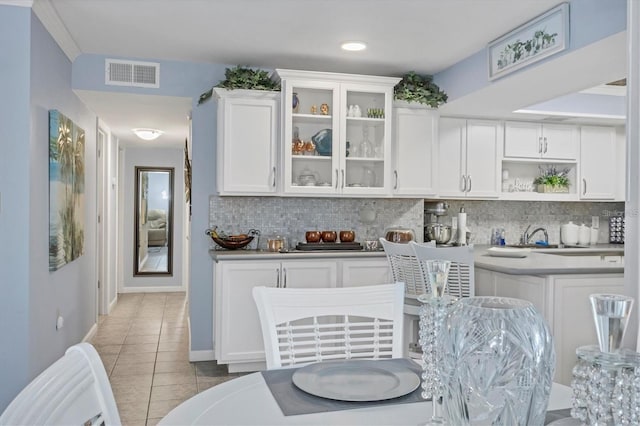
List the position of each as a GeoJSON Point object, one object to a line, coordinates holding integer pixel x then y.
{"type": "Point", "coordinates": [311, 138]}
{"type": "Point", "coordinates": [366, 129]}
{"type": "Point", "coordinates": [336, 133]}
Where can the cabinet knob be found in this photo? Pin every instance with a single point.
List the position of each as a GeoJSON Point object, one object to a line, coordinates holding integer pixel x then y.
{"type": "Point", "coordinates": [274, 176]}
{"type": "Point", "coordinates": [545, 145]}
{"type": "Point", "coordinates": [584, 186]}
{"type": "Point", "coordinates": [463, 183]}
{"type": "Point", "coordinates": [395, 173]}
{"type": "Point", "coordinates": [336, 178]}
{"type": "Point", "coordinates": [277, 278]}
{"type": "Point", "coordinates": [342, 171]}
{"type": "Point", "coordinates": [540, 145]}
{"type": "Point", "coordinates": [469, 177]}
{"type": "Point", "coordinates": [284, 278]}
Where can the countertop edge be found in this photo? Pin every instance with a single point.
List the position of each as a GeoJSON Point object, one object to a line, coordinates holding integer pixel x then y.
{"type": "Point", "coordinates": [546, 263]}
{"type": "Point", "coordinates": [218, 255]}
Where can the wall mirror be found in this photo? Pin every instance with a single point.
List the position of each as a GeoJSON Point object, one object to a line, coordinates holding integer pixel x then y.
{"type": "Point", "coordinates": [153, 240]}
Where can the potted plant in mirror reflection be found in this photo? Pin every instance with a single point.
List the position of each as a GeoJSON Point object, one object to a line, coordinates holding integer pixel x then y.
{"type": "Point", "coordinates": [552, 179]}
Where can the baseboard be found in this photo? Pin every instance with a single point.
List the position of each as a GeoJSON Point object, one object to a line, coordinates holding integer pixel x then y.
{"type": "Point", "coordinates": [169, 289]}
{"type": "Point", "coordinates": [112, 305]}
{"type": "Point", "coordinates": [195, 356]}
{"type": "Point", "coordinates": [92, 332]}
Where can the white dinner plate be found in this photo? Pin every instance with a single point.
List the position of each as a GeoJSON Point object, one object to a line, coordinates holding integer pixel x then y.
{"type": "Point", "coordinates": [508, 252]}
{"type": "Point", "coordinates": [356, 380]}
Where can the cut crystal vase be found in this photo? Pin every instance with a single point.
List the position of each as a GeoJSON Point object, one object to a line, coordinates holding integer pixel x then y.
{"type": "Point", "coordinates": [498, 363]}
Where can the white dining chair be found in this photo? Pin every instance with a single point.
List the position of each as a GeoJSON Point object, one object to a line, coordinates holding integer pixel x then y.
{"type": "Point", "coordinates": [304, 325]}
{"type": "Point", "coordinates": [405, 268]}
{"type": "Point", "coordinates": [74, 390]}
{"type": "Point", "coordinates": [461, 279]}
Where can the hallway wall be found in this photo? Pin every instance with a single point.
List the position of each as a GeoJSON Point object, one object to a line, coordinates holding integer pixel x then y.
{"type": "Point", "coordinates": [151, 157]}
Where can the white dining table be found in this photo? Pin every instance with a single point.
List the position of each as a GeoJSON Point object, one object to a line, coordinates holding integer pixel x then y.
{"type": "Point", "coordinates": [247, 400]}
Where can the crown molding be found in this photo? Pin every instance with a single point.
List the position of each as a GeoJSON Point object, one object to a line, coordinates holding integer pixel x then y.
{"type": "Point", "coordinates": [21, 3]}
{"type": "Point", "coordinates": [49, 17]}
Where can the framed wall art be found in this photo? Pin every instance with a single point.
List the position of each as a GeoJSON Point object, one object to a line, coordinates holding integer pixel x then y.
{"type": "Point", "coordinates": [66, 190]}
{"type": "Point", "coordinates": [543, 36]}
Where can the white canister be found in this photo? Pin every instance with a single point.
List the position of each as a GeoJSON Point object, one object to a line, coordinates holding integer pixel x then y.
{"type": "Point", "coordinates": [569, 234]}
{"type": "Point", "coordinates": [594, 235]}
{"type": "Point", "coordinates": [584, 235]}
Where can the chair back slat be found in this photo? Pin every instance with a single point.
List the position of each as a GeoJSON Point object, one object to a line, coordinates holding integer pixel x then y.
{"type": "Point", "coordinates": [461, 279]}
{"type": "Point", "coordinates": [405, 268]}
{"type": "Point", "coordinates": [73, 390]}
{"type": "Point", "coordinates": [318, 324]}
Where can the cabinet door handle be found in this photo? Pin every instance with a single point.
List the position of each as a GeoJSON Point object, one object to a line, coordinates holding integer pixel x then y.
{"type": "Point", "coordinates": [336, 178]}
{"type": "Point", "coordinates": [284, 278]}
{"type": "Point", "coordinates": [277, 278]}
{"type": "Point", "coordinates": [464, 183]}
{"type": "Point", "coordinates": [395, 173]}
{"type": "Point", "coordinates": [545, 144]}
{"type": "Point", "coordinates": [540, 145]}
{"type": "Point", "coordinates": [342, 177]}
{"type": "Point", "coordinates": [584, 186]}
{"type": "Point", "coordinates": [469, 177]}
{"type": "Point", "coordinates": [274, 176]}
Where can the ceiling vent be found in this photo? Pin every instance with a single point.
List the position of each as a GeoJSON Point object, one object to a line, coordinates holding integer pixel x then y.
{"type": "Point", "coordinates": [132, 73]}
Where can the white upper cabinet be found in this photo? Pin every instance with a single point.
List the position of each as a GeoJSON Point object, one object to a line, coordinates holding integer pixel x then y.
{"type": "Point", "coordinates": [598, 163]}
{"type": "Point", "coordinates": [247, 142]}
{"type": "Point", "coordinates": [541, 141]}
{"type": "Point", "coordinates": [469, 153]}
{"type": "Point", "coordinates": [415, 130]}
{"type": "Point", "coordinates": [330, 147]}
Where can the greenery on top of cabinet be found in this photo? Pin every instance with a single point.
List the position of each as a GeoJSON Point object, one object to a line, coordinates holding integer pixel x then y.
{"type": "Point", "coordinates": [243, 78]}
{"type": "Point", "coordinates": [419, 88]}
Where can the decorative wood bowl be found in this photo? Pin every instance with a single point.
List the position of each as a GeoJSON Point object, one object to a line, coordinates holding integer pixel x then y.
{"type": "Point", "coordinates": [233, 242]}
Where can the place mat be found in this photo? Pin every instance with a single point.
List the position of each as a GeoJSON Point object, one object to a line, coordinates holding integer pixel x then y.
{"type": "Point", "coordinates": [293, 401]}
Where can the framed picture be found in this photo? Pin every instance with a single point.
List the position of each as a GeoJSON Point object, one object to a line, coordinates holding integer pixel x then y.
{"type": "Point", "coordinates": [66, 190]}
{"type": "Point", "coordinates": [539, 38]}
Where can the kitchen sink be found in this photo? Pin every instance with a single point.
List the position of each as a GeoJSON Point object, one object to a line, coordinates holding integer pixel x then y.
{"type": "Point", "coordinates": [533, 246]}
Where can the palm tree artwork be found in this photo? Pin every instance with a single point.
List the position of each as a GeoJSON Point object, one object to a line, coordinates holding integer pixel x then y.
{"type": "Point", "coordinates": [66, 190]}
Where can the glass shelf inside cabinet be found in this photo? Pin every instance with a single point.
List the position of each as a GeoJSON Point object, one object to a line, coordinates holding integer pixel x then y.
{"type": "Point", "coordinates": [310, 118]}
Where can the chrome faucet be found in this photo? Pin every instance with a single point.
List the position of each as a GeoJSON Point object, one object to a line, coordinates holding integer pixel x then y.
{"type": "Point", "coordinates": [526, 237]}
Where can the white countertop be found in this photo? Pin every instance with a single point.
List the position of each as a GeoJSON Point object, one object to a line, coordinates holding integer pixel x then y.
{"type": "Point", "coordinates": [217, 255]}
{"type": "Point", "coordinates": [544, 262]}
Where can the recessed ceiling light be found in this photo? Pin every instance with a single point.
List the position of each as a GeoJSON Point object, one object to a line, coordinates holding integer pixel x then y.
{"type": "Point", "coordinates": [353, 46]}
{"type": "Point", "coordinates": [147, 134]}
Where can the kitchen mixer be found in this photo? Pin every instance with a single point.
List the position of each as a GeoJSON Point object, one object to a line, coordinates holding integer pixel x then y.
{"type": "Point", "coordinates": [433, 229]}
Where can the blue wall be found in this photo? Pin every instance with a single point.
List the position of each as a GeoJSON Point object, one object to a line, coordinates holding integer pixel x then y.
{"type": "Point", "coordinates": [14, 205]}
{"type": "Point", "coordinates": [589, 21]}
{"type": "Point", "coordinates": [186, 80]}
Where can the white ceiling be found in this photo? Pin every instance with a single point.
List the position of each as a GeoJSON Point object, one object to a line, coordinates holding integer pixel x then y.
{"type": "Point", "coordinates": [422, 35]}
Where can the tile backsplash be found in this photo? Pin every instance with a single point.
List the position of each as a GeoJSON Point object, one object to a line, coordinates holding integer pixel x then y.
{"type": "Point", "coordinates": [292, 217]}
{"type": "Point", "coordinates": [515, 216]}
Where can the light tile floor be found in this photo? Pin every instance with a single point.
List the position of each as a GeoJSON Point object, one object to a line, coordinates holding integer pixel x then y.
{"type": "Point", "coordinates": [143, 344]}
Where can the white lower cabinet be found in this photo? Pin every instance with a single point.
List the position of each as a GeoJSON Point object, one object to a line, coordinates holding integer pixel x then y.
{"type": "Point", "coordinates": [360, 272]}
{"type": "Point", "coordinates": [238, 336]}
{"type": "Point", "coordinates": [237, 332]}
{"type": "Point", "coordinates": [563, 301]}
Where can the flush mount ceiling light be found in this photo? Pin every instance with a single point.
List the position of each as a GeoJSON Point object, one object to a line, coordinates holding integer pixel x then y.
{"type": "Point", "coordinates": [147, 134]}
{"type": "Point", "coordinates": [353, 46]}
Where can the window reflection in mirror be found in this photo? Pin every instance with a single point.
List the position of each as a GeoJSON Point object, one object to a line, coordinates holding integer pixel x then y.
{"type": "Point", "coordinates": [153, 221]}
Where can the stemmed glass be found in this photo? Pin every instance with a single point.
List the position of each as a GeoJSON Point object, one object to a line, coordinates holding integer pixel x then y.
{"type": "Point", "coordinates": [432, 313]}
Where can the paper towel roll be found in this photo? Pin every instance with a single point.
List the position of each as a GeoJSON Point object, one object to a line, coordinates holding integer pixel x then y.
{"type": "Point", "coordinates": [462, 228]}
